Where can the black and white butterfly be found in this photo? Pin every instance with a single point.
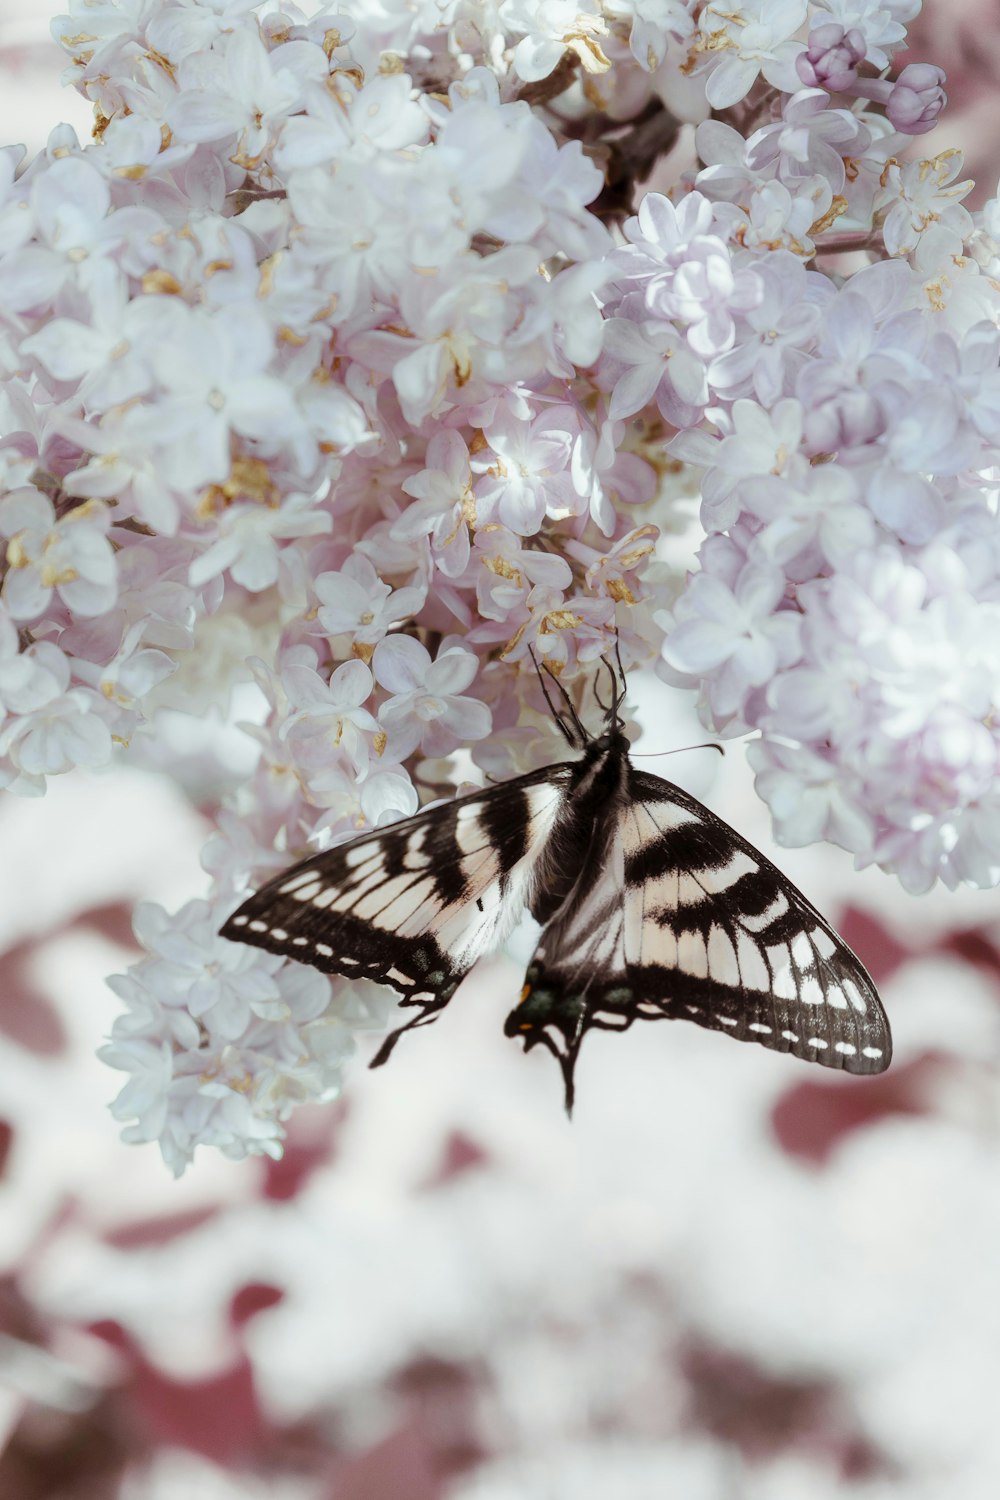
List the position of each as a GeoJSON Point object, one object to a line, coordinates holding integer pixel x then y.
{"type": "Point", "coordinates": [651, 908]}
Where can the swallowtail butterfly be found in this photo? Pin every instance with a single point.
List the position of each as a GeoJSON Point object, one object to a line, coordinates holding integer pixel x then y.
{"type": "Point", "coordinates": [651, 908]}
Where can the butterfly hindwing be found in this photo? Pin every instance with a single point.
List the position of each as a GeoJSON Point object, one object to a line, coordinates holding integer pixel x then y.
{"type": "Point", "coordinates": [415, 904]}
{"type": "Point", "coordinates": [686, 920]}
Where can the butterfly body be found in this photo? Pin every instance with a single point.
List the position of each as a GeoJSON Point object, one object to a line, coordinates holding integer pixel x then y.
{"type": "Point", "coordinates": [651, 907]}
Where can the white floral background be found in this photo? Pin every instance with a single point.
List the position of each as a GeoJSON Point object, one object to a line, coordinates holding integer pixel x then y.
{"type": "Point", "coordinates": [728, 1279]}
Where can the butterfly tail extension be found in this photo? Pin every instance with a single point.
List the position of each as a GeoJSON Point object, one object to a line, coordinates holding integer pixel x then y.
{"type": "Point", "coordinates": [430, 1008]}
{"type": "Point", "coordinates": [554, 1019]}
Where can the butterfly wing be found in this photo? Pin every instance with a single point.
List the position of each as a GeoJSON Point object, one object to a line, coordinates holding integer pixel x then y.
{"type": "Point", "coordinates": [415, 904]}
{"type": "Point", "coordinates": [686, 920]}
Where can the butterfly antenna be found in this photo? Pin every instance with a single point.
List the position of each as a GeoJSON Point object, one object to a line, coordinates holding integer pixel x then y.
{"type": "Point", "coordinates": [617, 692]}
{"type": "Point", "coordinates": [678, 750]}
{"type": "Point", "coordinates": [621, 670]}
{"type": "Point", "coordinates": [552, 708]}
{"type": "Point", "coordinates": [580, 738]}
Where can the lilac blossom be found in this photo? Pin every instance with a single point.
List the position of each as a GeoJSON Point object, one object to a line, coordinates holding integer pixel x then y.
{"type": "Point", "coordinates": [353, 380]}
{"type": "Point", "coordinates": [831, 58]}
{"type": "Point", "coordinates": [917, 99]}
{"type": "Point", "coordinates": [745, 40]}
{"type": "Point", "coordinates": [428, 709]}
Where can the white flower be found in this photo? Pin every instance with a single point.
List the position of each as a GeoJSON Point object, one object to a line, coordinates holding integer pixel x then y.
{"type": "Point", "coordinates": [71, 557]}
{"type": "Point", "coordinates": [509, 572]}
{"type": "Point", "coordinates": [248, 537]}
{"type": "Point", "coordinates": [99, 354]}
{"type": "Point", "coordinates": [427, 710]}
{"type": "Point", "coordinates": [735, 638]}
{"type": "Point", "coordinates": [132, 673]}
{"type": "Point", "coordinates": [71, 202]}
{"type": "Point", "coordinates": [356, 602]}
{"type": "Point", "coordinates": [64, 732]}
{"type": "Point", "coordinates": [213, 372]}
{"type": "Point", "coordinates": [921, 194]}
{"type": "Point", "coordinates": [548, 28]}
{"type": "Point", "coordinates": [28, 679]}
{"type": "Point", "coordinates": [330, 713]}
{"type": "Point", "coordinates": [526, 472]}
{"type": "Point", "coordinates": [747, 39]}
{"type": "Point", "coordinates": [241, 89]}
{"type": "Point", "coordinates": [878, 21]}
{"type": "Point", "coordinates": [445, 506]}
{"type": "Point", "coordinates": [342, 120]}
{"type": "Point", "coordinates": [651, 360]}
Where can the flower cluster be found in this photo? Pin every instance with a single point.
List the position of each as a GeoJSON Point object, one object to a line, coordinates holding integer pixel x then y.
{"type": "Point", "coordinates": [334, 337]}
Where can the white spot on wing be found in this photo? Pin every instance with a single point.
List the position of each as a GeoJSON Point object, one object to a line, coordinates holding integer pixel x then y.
{"type": "Point", "coordinates": [783, 984]}
{"type": "Point", "coordinates": [722, 961]}
{"type": "Point", "coordinates": [660, 946]}
{"type": "Point", "coordinates": [847, 1048]}
{"type": "Point", "coordinates": [469, 834]}
{"type": "Point", "coordinates": [240, 921]}
{"type": "Point", "coordinates": [759, 1026]}
{"type": "Point", "coordinates": [306, 892]}
{"type": "Point", "coordinates": [824, 943]}
{"type": "Point", "coordinates": [871, 1052]}
{"type": "Point", "coordinates": [811, 991]}
{"type": "Point", "coordinates": [324, 950]}
{"type": "Point", "coordinates": [718, 880]}
{"type": "Point", "coordinates": [758, 922]}
{"type": "Point", "coordinates": [690, 891]}
{"type": "Point", "coordinates": [692, 956]}
{"type": "Point", "coordinates": [325, 898]}
{"type": "Point", "coordinates": [855, 996]}
{"type": "Point", "coordinates": [818, 1042]}
{"type": "Point", "coordinates": [394, 901]}
{"type": "Point", "coordinates": [802, 950]}
{"type": "Point", "coordinates": [754, 972]}
{"type": "Point", "coordinates": [667, 815]}
{"type": "Point", "coordinates": [258, 926]}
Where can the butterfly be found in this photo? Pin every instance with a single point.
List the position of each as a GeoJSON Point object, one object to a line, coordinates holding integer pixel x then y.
{"type": "Point", "coordinates": [651, 907]}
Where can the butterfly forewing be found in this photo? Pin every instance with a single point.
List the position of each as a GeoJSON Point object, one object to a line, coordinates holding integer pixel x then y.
{"type": "Point", "coordinates": [686, 920]}
{"type": "Point", "coordinates": [415, 904]}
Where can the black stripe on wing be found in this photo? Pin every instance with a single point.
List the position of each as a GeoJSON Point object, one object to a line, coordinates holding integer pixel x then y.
{"type": "Point", "coordinates": [687, 921]}
{"type": "Point", "coordinates": [412, 905]}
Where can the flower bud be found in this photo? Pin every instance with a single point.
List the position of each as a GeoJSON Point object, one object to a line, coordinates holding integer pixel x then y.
{"type": "Point", "coordinates": [917, 98]}
{"type": "Point", "coordinates": [831, 58]}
